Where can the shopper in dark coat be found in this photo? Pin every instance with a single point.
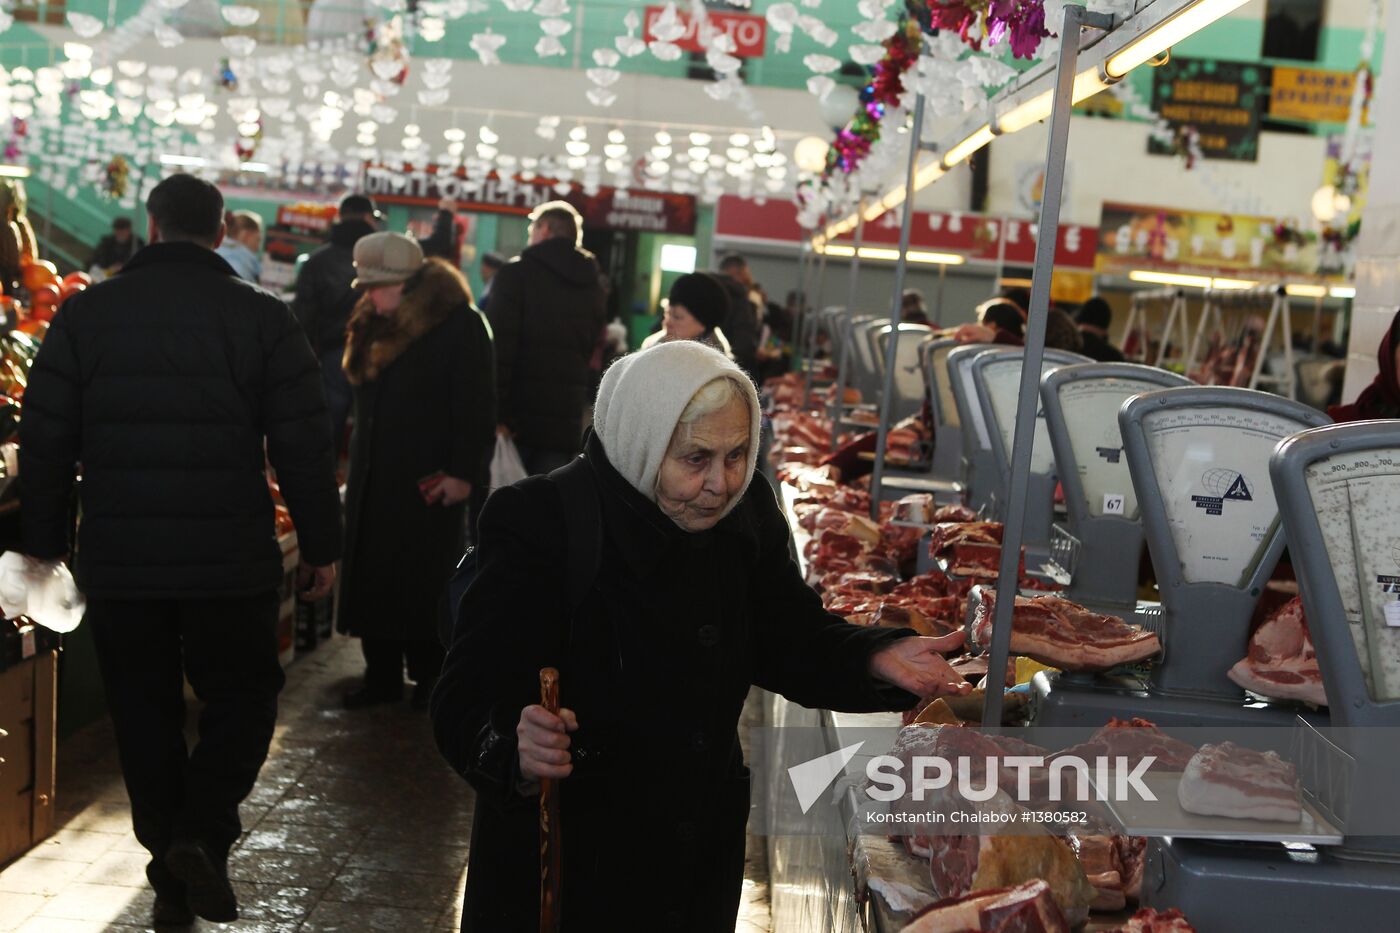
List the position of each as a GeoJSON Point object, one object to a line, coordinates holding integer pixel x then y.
{"type": "Point", "coordinates": [114, 249]}
{"type": "Point", "coordinates": [325, 296]}
{"type": "Point", "coordinates": [547, 313]}
{"type": "Point", "coordinates": [741, 325]}
{"type": "Point", "coordinates": [695, 598]}
{"type": "Point", "coordinates": [173, 384]}
{"type": "Point", "coordinates": [1093, 318]}
{"type": "Point", "coordinates": [425, 419]}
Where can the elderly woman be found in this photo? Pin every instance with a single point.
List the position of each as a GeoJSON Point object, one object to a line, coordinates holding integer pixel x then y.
{"type": "Point", "coordinates": [694, 597]}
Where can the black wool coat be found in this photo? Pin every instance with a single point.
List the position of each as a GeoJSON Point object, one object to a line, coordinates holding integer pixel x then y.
{"type": "Point", "coordinates": [174, 383]}
{"type": "Point", "coordinates": [324, 296]}
{"type": "Point", "coordinates": [424, 402]}
{"type": "Point", "coordinates": [547, 313]}
{"type": "Point", "coordinates": [656, 664]}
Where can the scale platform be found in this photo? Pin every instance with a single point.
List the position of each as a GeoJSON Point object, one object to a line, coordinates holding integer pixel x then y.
{"type": "Point", "coordinates": [1090, 701]}
{"type": "Point", "coordinates": [1233, 887]}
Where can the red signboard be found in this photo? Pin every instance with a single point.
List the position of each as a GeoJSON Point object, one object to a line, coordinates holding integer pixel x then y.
{"type": "Point", "coordinates": [609, 209]}
{"type": "Point", "coordinates": [978, 237]}
{"type": "Point", "coordinates": [750, 33]}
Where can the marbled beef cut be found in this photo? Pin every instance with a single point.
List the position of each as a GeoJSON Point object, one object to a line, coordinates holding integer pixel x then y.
{"type": "Point", "coordinates": [1148, 920]}
{"type": "Point", "coordinates": [1281, 662]}
{"type": "Point", "coordinates": [1026, 908]}
{"type": "Point", "coordinates": [1065, 635]}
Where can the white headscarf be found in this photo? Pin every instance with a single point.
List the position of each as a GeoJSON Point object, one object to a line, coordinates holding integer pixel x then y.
{"type": "Point", "coordinates": [642, 397]}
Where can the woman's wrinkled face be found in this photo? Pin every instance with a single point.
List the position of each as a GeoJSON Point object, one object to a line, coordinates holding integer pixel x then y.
{"type": "Point", "coordinates": [680, 324]}
{"type": "Point", "coordinates": [705, 467]}
{"type": "Point", "coordinates": [386, 298]}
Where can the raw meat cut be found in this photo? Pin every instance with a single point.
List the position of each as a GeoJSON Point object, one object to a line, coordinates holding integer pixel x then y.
{"type": "Point", "coordinates": [1230, 780]}
{"type": "Point", "coordinates": [891, 615]}
{"type": "Point", "coordinates": [916, 509]}
{"type": "Point", "coordinates": [860, 581]}
{"type": "Point", "coordinates": [1098, 856]}
{"type": "Point", "coordinates": [1026, 908]}
{"type": "Point", "coordinates": [954, 513]}
{"type": "Point", "coordinates": [1149, 920]}
{"type": "Point", "coordinates": [1065, 635]}
{"type": "Point", "coordinates": [970, 549]}
{"type": "Point", "coordinates": [961, 865]}
{"type": "Point", "coordinates": [1281, 662]}
{"type": "Point", "coordinates": [1134, 739]}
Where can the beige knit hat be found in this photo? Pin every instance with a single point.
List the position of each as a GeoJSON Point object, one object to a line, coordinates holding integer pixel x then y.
{"type": "Point", "coordinates": [385, 259]}
{"type": "Point", "coordinates": [642, 397]}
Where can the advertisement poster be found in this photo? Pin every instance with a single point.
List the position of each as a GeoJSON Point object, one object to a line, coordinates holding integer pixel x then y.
{"type": "Point", "coordinates": [1311, 95]}
{"type": "Point", "coordinates": [1164, 239]}
{"type": "Point", "coordinates": [1220, 100]}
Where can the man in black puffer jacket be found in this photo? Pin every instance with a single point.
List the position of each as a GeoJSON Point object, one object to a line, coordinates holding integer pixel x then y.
{"type": "Point", "coordinates": [547, 315]}
{"type": "Point", "coordinates": [167, 383]}
{"type": "Point", "coordinates": [325, 296]}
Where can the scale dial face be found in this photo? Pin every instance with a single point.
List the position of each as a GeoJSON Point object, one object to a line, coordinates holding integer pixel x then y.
{"type": "Point", "coordinates": [1090, 409]}
{"type": "Point", "coordinates": [1357, 498]}
{"type": "Point", "coordinates": [944, 381]}
{"type": "Point", "coordinates": [1212, 468]}
{"type": "Point", "coordinates": [1002, 379]}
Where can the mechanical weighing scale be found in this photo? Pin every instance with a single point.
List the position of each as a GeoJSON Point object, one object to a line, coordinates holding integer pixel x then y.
{"type": "Point", "coordinates": [941, 477]}
{"type": "Point", "coordinates": [978, 468]}
{"type": "Point", "coordinates": [996, 377]}
{"type": "Point", "coordinates": [1198, 458]}
{"type": "Point", "coordinates": [1338, 490]}
{"type": "Point", "coordinates": [1096, 553]}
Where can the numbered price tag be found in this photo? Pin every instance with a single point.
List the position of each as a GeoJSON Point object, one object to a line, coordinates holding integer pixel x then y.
{"type": "Point", "coordinates": [1112, 503]}
{"type": "Point", "coordinates": [1392, 615]}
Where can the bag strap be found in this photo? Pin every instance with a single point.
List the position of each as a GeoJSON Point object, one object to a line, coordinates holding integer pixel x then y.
{"type": "Point", "coordinates": [583, 526]}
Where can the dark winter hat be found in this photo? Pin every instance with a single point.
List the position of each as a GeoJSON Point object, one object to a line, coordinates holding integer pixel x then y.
{"type": "Point", "coordinates": [1096, 313]}
{"type": "Point", "coordinates": [703, 297]}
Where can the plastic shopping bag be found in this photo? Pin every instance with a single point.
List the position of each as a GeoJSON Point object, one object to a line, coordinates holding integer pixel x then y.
{"type": "Point", "coordinates": [43, 591]}
{"type": "Point", "coordinates": [506, 467]}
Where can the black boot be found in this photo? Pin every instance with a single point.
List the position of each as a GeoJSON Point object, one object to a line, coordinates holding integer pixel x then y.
{"type": "Point", "coordinates": [169, 912]}
{"type": "Point", "coordinates": [207, 888]}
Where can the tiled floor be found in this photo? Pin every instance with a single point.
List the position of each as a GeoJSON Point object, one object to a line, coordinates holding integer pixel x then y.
{"type": "Point", "coordinates": [356, 825]}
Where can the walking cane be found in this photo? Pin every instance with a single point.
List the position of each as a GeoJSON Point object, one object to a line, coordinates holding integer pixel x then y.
{"type": "Point", "coordinates": [550, 887]}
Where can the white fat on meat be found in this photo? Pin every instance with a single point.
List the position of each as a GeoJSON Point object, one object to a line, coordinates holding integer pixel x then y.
{"type": "Point", "coordinates": [1233, 781]}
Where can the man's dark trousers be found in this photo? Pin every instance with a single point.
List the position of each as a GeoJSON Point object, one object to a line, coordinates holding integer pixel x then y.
{"type": "Point", "coordinates": [228, 649]}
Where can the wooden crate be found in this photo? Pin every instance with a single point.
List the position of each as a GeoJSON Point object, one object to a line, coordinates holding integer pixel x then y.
{"type": "Point", "coordinates": [28, 719]}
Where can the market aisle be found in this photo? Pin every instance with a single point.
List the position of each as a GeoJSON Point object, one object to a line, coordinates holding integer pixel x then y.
{"type": "Point", "coordinates": [356, 825]}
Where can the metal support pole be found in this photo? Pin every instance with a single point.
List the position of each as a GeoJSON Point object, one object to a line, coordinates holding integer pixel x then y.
{"type": "Point", "coordinates": [938, 305]}
{"type": "Point", "coordinates": [838, 392]}
{"type": "Point", "coordinates": [906, 222]}
{"type": "Point", "coordinates": [812, 331]}
{"type": "Point", "coordinates": [1008, 577]}
{"type": "Point", "coordinates": [802, 320]}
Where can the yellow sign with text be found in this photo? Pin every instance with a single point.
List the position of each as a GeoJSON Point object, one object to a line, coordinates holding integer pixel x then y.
{"type": "Point", "coordinates": [1312, 95]}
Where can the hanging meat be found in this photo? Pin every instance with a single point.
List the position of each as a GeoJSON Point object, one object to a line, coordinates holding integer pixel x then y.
{"type": "Point", "coordinates": [1025, 908]}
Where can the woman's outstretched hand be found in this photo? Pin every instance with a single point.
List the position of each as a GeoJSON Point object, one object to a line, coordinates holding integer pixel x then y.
{"type": "Point", "coordinates": [543, 742]}
{"type": "Point", "coordinates": [916, 665]}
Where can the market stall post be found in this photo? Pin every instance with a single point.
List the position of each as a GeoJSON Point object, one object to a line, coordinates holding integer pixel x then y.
{"type": "Point", "coordinates": [799, 326]}
{"type": "Point", "coordinates": [838, 395]}
{"type": "Point", "coordinates": [1008, 577]}
{"type": "Point", "coordinates": [906, 224]}
{"type": "Point", "coordinates": [817, 308]}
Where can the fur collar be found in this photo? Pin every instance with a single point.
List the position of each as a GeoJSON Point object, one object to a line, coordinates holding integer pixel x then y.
{"type": "Point", "coordinates": [374, 342]}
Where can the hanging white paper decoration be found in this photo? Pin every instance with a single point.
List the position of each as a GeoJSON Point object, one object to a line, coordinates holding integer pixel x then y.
{"type": "Point", "coordinates": [240, 16]}
{"type": "Point", "coordinates": [630, 46]}
{"type": "Point", "coordinates": [168, 36]}
{"type": "Point", "coordinates": [665, 51]}
{"type": "Point", "coordinates": [722, 63]}
{"type": "Point", "coordinates": [432, 29]}
{"type": "Point", "coordinates": [435, 81]}
{"type": "Point", "coordinates": [551, 8]}
{"type": "Point", "coordinates": [6, 20]}
{"type": "Point", "coordinates": [866, 54]}
{"type": "Point", "coordinates": [603, 77]}
{"type": "Point", "coordinates": [667, 27]}
{"type": "Point", "coordinates": [606, 58]}
{"type": "Point", "coordinates": [518, 6]}
{"type": "Point", "coordinates": [556, 27]}
{"type": "Point", "coordinates": [549, 47]}
{"type": "Point", "coordinates": [718, 90]}
{"type": "Point", "coordinates": [821, 64]}
{"type": "Point", "coordinates": [601, 97]}
{"type": "Point", "coordinates": [820, 86]}
{"type": "Point", "coordinates": [486, 45]}
{"type": "Point", "coordinates": [242, 46]}
{"type": "Point", "coordinates": [163, 74]}
{"type": "Point", "coordinates": [782, 17]}
{"type": "Point", "coordinates": [84, 25]}
{"type": "Point", "coordinates": [818, 31]}
{"type": "Point", "coordinates": [131, 69]}
{"type": "Point", "coordinates": [875, 30]}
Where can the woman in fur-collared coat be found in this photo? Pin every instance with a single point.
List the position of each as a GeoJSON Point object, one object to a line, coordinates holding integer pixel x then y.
{"type": "Point", "coordinates": [419, 357]}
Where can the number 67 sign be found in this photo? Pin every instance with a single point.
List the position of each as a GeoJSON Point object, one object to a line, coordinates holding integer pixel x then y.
{"type": "Point", "coordinates": [1113, 503]}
